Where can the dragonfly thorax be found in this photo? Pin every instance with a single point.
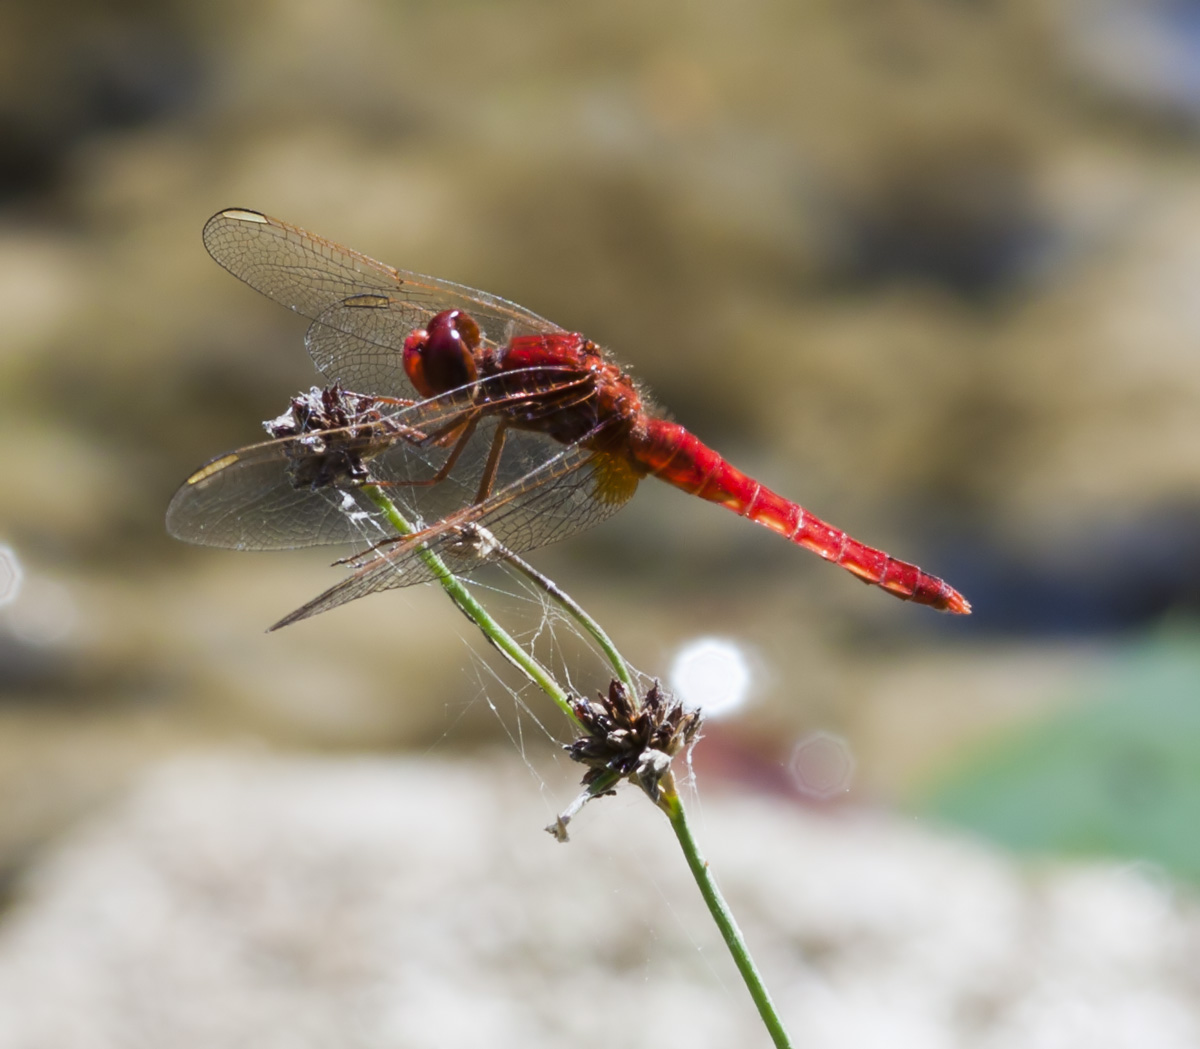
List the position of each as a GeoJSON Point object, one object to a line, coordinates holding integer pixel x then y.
{"type": "Point", "coordinates": [441, 357]}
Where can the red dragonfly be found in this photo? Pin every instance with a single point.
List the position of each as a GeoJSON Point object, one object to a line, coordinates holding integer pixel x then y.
{"type": "Point", "coordinates": [475, 414]}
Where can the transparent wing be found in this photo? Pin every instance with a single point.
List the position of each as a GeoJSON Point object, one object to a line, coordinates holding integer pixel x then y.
{"type": "Point", "coordinates": [564, 496]}
{"type": "Point", "coordinates": [362, 309]}
{"type": "Point", "coordinates": [246, 501]}
{"type": "Point", "coordinates": [305, 491]}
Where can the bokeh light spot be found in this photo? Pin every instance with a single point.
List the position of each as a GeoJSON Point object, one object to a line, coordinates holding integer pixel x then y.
{"type": "Point", "coordinates": [10, 575]}
{"type": "Point", "coordinates": [822, 765]}
{"type": "Point", "coordinates": [711, 673]}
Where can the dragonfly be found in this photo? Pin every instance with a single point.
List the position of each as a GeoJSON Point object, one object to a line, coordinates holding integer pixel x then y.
{"type": "Point", "coordinates": [473, 414]}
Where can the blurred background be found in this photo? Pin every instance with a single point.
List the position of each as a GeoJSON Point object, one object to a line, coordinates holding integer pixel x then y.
{"type": "Point", "coordinates": [927, 266]}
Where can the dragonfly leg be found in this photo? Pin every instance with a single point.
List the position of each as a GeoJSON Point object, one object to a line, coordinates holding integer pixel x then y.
{"type": "Point", "coordinates": [468, 428]}
{"type": "Point", "coordinates": [442, 435]}
{"type": "Point", "coordinates": [419, 437]}
{"type": "Point", "coordinates": [493, 464]}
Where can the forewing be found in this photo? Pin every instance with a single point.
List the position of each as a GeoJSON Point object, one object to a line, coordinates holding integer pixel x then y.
{"type": "Point", "coordinates": [571, 492]}
{"type": "Point", "coordinates": [282, 494]}
{"type": "Point", "coordinates": [265, 496]}
{"type": "Point", "coordinates": [362, 309]}
{"type": "Point", "coordinates": [246, 500]}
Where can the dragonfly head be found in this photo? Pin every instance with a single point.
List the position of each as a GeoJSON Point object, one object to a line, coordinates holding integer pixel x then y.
{"type": "Point", "coordinates": [441, 356]}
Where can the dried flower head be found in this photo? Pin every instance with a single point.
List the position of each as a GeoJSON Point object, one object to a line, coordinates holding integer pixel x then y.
{"type": "Point", "coordinates": [331, 435]}
{"type": "Point", "coordinates": [635, 741]}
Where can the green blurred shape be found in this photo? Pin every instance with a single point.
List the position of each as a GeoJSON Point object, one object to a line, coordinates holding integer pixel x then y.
{"type": "Point", "coordinates": [1116, 774]}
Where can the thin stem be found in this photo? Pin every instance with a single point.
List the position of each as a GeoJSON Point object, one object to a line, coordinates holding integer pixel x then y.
{"type": "Point", "coordinates": [672, 805]}
{"type": "Point", "coordinates": [474, 611]}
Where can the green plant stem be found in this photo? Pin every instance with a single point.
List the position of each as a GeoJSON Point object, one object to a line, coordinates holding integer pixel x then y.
{"type": "Point", "coordinates": [474, 611]}
{"type": "Point", "coordinates": [672, 805]}
{"type": "Point", "coordinates": [669, 802]}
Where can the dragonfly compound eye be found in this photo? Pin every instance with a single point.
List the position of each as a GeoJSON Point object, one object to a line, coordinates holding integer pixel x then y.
{"type": "Point", "coordinates": [441, 357]}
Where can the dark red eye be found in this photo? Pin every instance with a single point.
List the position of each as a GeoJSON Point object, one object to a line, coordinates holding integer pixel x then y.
{"type": "Point", "coordinates": [441, 357]}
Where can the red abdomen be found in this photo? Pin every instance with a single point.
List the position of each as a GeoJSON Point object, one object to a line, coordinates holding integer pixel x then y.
{"type": "Point", "coordinates": [666, 450]}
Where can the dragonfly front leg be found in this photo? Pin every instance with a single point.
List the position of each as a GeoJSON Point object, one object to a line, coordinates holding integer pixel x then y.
{"type": "Point", "coordinates": [394, 402]}
{"type": "Point", "coordinates": [443, 471]}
